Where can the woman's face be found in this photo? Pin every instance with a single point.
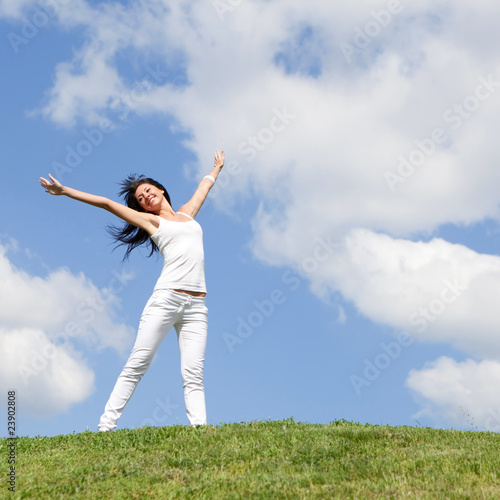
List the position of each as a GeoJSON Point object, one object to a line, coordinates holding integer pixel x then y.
{"type": "Point", "coordinates": [149, 197]}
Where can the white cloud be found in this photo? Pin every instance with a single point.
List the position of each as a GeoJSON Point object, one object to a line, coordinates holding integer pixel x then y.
{"type": "Point", "coordinates": [384, 104]}
{"type": "Point", "coordinates": [64, 305]}
{"type": "Point", "coordinates": [324, 172]}
{"type": "Point", "coordinates": [437, 291]}
{"type": "Point", "coordinates": [44, 323]}
{"type": "Point", "coordinates": [463, 393]}
{"type": "Point", "coordinates": [48, 378]}
{"type": "Point", "coordinates": [74, 90]}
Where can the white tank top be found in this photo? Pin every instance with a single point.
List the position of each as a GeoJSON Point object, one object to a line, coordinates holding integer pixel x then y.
{"type": "Point", "coordinates": [181, 244]}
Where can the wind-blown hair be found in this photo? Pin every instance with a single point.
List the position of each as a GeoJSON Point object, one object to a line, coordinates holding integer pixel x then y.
{"type": "Point", "coordinates": [130, 235]}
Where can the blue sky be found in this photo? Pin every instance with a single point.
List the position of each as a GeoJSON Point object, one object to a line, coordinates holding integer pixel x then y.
{"type": "Point", "coordinates": [351, 242]}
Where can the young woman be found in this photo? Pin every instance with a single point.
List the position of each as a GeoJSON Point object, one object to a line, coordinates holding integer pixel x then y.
{"type": "Point", "coordinates": [178, 298]}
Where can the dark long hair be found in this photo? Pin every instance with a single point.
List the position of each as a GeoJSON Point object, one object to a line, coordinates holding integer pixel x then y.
{"type": "Point", "coordinates": [130, 235]}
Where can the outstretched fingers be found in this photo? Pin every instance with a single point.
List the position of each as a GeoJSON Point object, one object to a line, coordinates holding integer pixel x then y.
{"type": "Point", "coordinates": [219, 159]}
{"type": "Point", "coordinates": [44, 182]}
{"type": "Point", "coordinates": [53, 187]}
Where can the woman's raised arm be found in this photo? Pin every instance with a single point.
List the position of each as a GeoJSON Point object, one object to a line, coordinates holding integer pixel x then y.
{"type": "Point", "coordinates": [143, 220]}
{"type": "Point", "coordinates": [192, 207]}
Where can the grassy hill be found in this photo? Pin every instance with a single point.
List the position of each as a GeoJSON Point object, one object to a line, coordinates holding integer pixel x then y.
{"type": "Point", "coordinates": [268, 460]}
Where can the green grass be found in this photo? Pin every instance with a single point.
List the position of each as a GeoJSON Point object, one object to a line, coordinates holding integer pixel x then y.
{"type": "Point", "coordinates": [268, 460]}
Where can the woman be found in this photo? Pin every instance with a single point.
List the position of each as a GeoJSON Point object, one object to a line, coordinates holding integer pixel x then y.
{"type": "Point", "coordinates": [178, 299]}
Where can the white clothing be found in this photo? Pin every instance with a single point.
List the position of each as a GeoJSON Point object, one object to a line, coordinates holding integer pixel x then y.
{"type": "Point", "coordinates": [181, 244]}
{"type": "Point", "coordinates": [165, 308]}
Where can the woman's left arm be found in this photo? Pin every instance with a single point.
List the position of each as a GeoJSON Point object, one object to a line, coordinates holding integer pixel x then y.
{"type": "Point", "coordinates": [193, 206]}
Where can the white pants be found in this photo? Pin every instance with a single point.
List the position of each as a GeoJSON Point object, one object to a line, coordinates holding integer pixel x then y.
{"type": "Point", "coordinates": [165, 309]}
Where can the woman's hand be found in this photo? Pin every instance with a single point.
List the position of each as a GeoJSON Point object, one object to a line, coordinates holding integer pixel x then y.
{"type": "Point", "coordinates": [54, 187]}
{"type": "Point", "coordinates": [219, 159]}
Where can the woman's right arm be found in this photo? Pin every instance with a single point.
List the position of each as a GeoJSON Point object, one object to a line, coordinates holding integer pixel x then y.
{"type": "Point", "coordinates": [142, 220]}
